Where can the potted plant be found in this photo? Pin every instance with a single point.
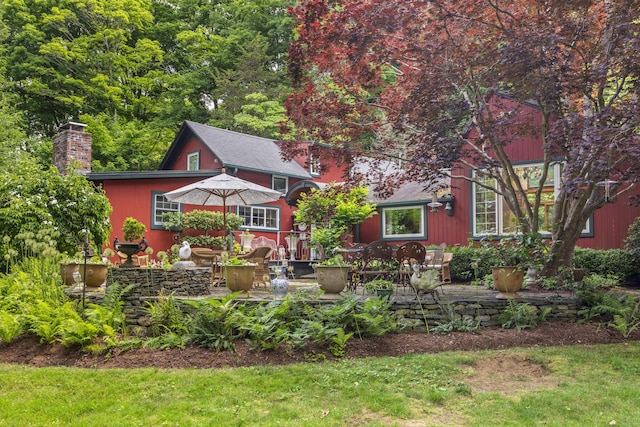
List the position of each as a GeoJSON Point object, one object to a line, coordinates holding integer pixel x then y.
{"type": "Point", "coordinates": [332, 274]}
{"type": "Point", "coordinates": [133, 230]}
{"type": "Point", "coordinates": [380, 287]}
{"type": "Point", "coordinates": [238, 274]}
{"type": "Point", "coordinates": [94, 270]}
{"type": "Point", "coordinates": [512, 257]}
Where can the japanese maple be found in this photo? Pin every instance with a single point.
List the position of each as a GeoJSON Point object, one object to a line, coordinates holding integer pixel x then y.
{"type": "Point", "coordinates": [408, 79]}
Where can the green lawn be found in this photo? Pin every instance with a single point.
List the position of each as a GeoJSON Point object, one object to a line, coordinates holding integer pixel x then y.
{"type": "Point", "coordinates": [578, 386]}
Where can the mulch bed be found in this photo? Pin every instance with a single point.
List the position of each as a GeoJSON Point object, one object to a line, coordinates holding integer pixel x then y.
{"type": "Point", "coordinates": [28, 351]}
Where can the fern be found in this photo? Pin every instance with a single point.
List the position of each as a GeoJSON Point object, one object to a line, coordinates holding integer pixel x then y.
{"type": "Point", "coordinates": [11, 326]}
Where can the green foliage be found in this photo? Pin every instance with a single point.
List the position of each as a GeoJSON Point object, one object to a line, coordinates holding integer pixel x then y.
{"type": "Point", "coordinates": [166, 316]}
{"type": "Point", "coordinates": [522, 316]}
{"type": "Point", "coordinates": [373, 285]}
{"type": "Point", "coordinates": [619, 311]}
{"type": "Point", "coordinates": [11, 326]}
{"type": "Point", "coordinates": [212, 325]}
{"type": "Point", "coordinates": [39, 201]}
{"type": "Point", "coordinates": [618, 262]}
{"type": "Point", "coordinates": [334, 210]}
{"type": "Point", "coordinates": [339, 342]}
{"type": "Point", "coordinates": [237, 261]}
{"type": "Point", "coordinates": [455, 322]}
{"type": "Point", "coordinates": [133, 229]}
{"type": "Point", "coordinates": [335, 261]}
{"type": "Point", "coordinates": [632, 242]}
{"type": "Point", "coordinates": [201, 221]}
{"type": "Point", "coordinates": [133, 71]}
{"type": "Point", "coordinates": [205, 241]}
{"type": "Point", "coordinates": [470, 262]}
{"type": "Point", "coordinates": [603, 262]}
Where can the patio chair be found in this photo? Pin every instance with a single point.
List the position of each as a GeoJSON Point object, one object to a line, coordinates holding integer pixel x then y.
{"type": "Point", "coordinates": [376, 262]}
{"type": "Point", "coordinates": [206, 257]}
{"type": "Point", "coordinates": [261, 256]}
{"type": "Point", "coordinates": [445, 273]}
{"type": "Point", "coordinates": [265, 241]}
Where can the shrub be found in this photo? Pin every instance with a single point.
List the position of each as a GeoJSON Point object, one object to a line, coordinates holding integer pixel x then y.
{"type": "Point", "coordinates": [632, 242]}
{"type": "Point", "coordinates": [618, 262]}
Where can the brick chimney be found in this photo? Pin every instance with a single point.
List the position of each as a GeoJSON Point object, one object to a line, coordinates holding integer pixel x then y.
{"type": "Point", "coordinates": [72, 143]}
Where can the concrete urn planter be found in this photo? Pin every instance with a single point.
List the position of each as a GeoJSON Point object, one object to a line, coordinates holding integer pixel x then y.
{"type": "Point", "coordinates": [332, 279]}
{"type": "Point", "coordinates": [508, 280]}
{"type": "Point", "coordinates": [239, 277]}
{"type": "Point", "coordinates": [96, 274]}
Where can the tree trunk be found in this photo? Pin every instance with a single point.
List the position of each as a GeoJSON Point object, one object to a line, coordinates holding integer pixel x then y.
{"type": "Point", "coordinates": [564, 239]}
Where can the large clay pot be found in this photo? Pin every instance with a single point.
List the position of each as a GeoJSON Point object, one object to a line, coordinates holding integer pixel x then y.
{"type": "Point", "coordinates": [96, 274]}
{"type": "Point", "coordinates": [332, 278]}
{"type": "Point", "coordinates": [239, 277]}
{"type": "Point", "coordinates": [67, 269]}
{"type": "Point", "coordinates": [508, 280]}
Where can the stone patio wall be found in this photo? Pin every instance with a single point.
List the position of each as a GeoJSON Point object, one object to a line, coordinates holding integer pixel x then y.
{"type": "Point", "coordinates": [195, 283]}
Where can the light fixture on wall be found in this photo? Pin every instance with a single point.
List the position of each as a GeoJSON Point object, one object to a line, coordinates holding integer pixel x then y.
{"type": "Point", "coordinates": [434, 204]}
{"type": "Point", "coordinates": [607, 183]}
{"type": "Point", "coordinates": [448, 207]}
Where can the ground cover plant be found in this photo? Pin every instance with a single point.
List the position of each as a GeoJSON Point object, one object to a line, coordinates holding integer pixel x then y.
{"type": "Point", "coordinates": [569, 386]}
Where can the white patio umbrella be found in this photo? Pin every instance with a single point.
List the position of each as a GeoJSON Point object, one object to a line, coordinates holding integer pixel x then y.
{"type": "Point", "coordinates": [223, 190]}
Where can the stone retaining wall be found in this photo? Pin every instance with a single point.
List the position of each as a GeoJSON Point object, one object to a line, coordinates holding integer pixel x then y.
{"type": "Point", "coordinates": [484, 311]}
{"type": "Point", "coordinates": [195, 283]}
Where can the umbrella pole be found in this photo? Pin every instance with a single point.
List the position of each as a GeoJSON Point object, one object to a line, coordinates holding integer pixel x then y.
{"type": "Point", "coordinates": [224, 224]}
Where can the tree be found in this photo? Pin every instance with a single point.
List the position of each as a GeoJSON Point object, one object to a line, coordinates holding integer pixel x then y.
{"type": "Point", "coordinates": [34, 199]}
{"type": "Point", "coordinates": [419, 71]}
{"type": "Point", "coordinates": [333, 210]}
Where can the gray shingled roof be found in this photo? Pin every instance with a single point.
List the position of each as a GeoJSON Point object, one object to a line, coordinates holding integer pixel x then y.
{"type": "Point", "coordinates": [247, 152]}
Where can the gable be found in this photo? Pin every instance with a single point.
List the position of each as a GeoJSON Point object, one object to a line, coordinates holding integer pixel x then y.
{"type": "Point", "coordinates": [234, 150]}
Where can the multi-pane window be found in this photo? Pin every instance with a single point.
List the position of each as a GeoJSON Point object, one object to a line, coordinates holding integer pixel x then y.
{"type": "Point", "coordinates": [193, 161]}
{"type": "Point", "coordinates": [161, 206]}
{"type": "Point", "coordinates": [492, 216]}
{"type": "Point", "coordinates": [260, 217]}
{"type": "Point", "coordinates": [314, 164]}
{"type": "Point", "coordinates": [403, 222]}
{"type": "Point", "coordinates": [485, 203]}
{"type": "Point", "coordinates": [280, 183]}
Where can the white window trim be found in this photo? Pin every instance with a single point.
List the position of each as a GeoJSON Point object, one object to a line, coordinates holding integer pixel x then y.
{"type": "Point", "coordinates": [314, 165]}
{"type": "Point", "coordinates": [423, 222]}
{"type": "Point", "coordinates": [160, 224]}
{"type": "Point", "coordinates": [190, 156]}
{"type": "Point", "coordinates": [286, 180]}
{"type": "Point", "coordinates": [587, 231]}
{"type": "Point", "coordinates": [252, 227]}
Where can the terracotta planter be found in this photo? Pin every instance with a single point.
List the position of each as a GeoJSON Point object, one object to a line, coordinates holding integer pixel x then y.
{"type": "Point", "coordinates": [239, 277]}
{"type": "Point", "coordinates": [508, 280]}
{"type": "Point", "coordinates": [96, 274]}
{"type": "Point", "coordinates": [332, 278]}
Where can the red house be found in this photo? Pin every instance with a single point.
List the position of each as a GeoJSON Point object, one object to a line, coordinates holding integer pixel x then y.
{"type": "Point", "coordinates": [200, 151]}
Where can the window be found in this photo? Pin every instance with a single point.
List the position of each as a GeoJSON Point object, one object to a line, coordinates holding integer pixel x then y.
{"type": "Point", "coordinates": [403, 222]}
{"type": "Point", "coordinates": [161, 206]}
{"type": "Point", "coordinates": [280, 183]}
{"type": "Point", "coordinates": [492, 216]}
{"type": "Point", "coordinates": [314, 164]}
{"type": "Point", "coordinates": [260, 217]}
{"type": "Point", "coordinates": [193, 161]}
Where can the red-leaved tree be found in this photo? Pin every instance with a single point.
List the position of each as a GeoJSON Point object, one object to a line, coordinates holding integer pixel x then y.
{"type": "Point", "coordinates": [406, 78]}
